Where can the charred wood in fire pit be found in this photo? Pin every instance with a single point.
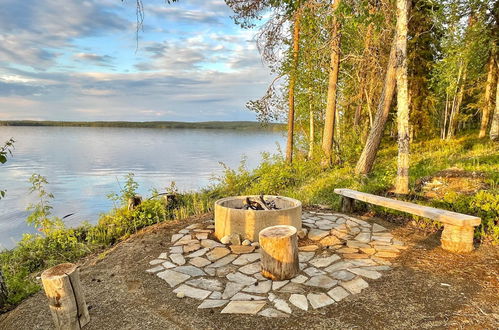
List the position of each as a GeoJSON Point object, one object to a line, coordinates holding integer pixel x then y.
{"type": "Point", "coordinates": [258, 204]}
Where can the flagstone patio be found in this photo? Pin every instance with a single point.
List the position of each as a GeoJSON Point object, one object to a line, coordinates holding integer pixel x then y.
{"type": "Point", "coordinates": [338, 256]}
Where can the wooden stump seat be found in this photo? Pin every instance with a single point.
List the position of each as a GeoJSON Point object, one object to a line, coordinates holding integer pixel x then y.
{"type": "Point", "coordinates": [279, 252]}
{"type": "Point", "coordinates": [457, 235]}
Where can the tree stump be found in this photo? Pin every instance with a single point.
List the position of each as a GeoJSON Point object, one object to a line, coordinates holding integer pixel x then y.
{"type": "Point", "coordinates": [133, 202]}
{"type": "Point", "coordinates": [279, 252]}
{"type": "Point", "coordinates": [66, 300]}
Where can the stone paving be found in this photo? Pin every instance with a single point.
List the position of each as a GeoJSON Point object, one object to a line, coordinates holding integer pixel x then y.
{"type": "Point", "coordinates": [338, 255]}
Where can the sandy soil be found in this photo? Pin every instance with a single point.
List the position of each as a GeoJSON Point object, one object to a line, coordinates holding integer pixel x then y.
{"type": "Point", "coordinates": [428, 288]}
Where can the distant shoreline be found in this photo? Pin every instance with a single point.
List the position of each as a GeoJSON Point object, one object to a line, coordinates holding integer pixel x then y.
{"type": "Point", "coordinates": [245, 125]}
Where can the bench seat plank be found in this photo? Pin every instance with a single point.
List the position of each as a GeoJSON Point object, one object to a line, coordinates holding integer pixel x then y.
{"type": "Point", "coordinates": [444, 216]}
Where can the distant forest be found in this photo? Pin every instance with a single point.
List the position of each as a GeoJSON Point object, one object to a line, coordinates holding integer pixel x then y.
{"type": "Point", "coordinates": [245, 125]}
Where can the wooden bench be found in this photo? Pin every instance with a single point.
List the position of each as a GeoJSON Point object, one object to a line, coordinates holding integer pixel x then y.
{"type": "Point", "coordinates": [457, 235]}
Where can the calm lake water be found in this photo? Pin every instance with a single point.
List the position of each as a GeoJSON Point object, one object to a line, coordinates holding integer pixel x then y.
{"type": "Point", "coordinates": [83, 165]}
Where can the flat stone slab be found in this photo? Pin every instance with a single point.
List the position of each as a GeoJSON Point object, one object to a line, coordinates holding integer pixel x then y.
{"type": "Point", "coordinates": [191, 292]}
{"type": "Point", "coordinates": [344, 253]}
{"type": "Point", "coordinates": [243, 307]}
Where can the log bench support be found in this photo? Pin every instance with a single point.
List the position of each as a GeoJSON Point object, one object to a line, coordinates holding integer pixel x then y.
{"type": "Point", "coordinates": [457, 235]}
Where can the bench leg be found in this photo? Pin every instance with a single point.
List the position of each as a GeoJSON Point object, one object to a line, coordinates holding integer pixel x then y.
{"type": "Point", "coordinates": [347, 204]}
{"type": "Point", "coordinates": [457, 239]}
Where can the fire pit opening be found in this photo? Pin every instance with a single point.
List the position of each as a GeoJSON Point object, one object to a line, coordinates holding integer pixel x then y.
{"type": "Point", "coordinates": [246, 216]}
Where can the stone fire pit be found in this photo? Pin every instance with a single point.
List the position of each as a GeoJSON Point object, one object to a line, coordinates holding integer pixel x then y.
{"type": "Point", "coordinates": [231, 217]}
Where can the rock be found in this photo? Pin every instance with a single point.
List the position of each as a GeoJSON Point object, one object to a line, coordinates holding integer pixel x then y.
{"type": "Point", "coordinates": [317, 234]}
{"type": "Point", "coordinates": [225, 239]}
{"type": "Point", "coordinates": [330, 240]}
{"type": "Point", "coordinates": [191, 247]}
{"type": "Point", "coordinates": [386, 239]}
{"type": "Point", "coordinates": [356, 285]}
{"type": "Point", "coordinates": [357, 244]}
{"type": "Point", "coordinates": [176, 249]}
{"type": "Point", "coordinates": [299, 301]}
{"type": "Point", "coordinates": [184, 231]}
{"type": "Point", "coordinates": [259, 287]}
{"type": "Point", "coordinates": [302, 233]}
{"type": "Point", "coordinates": [338, 265]}
{"type": "Point", "coordinates": [321, 262]}
{"type": "Point", "coordinates": [318, 300]}
{"type": "Point", "coordinates": [299, 279]}
{"type": "Point", "coordinates": [355, 256]}
{"type": "Point", "coordinates": [363, 262]}
{"type": "Point", "coordinates": [259, 277]}
{"type": "Point", "coordinates": [271, 312]}
{"type": "Point", "coordinates": [251, 268]}
{"type": "Point", "coordinates": [185, 240]}
{"type": "Point", "coordinates": [243, 307]}
{"type": "Point", "coordinates": [173, 278]}
{"type": "Point", "coordinates": [321, 281]}
{"type": "Point", "coordinates": [348, 250]}
{"type": "Point", "coordinates": [176, 237]}
{"type": "Point", "coordinates": [272, 297]}
{"type": "Point", "coordinates": [168, 265]}
{"type": "Point", "coordinates": [312, 271]}
{"type": "Point", "coordinates": [163, 255]}
{"type": "Point", "coordinates": [338, 293]}
{"type": "Point", "coordinates": [156, 262]}
{"type": "Point", "coordinates": [210, 271]}
{"type": "Point", "coordinates": [177, 259]}
{"type": "Point", "coordinates": [241, 278]}
{"type": "Point", "coordinates": [246, 242]}
{"type": "Point", "coordinates": [245, 259]}
{"type": "Point", "coordinates": [247, 297]}
{"type": "Point", "coordinates": [372, 274]}
{"type": "Point", "coordinates": [368, 250]}
{"type": "Point", "coordinates": [308, 248]}
{"type": "Point", "coordinates": [192, 292]}
{"type": "Point", "coordinates": [386, 255]}
{"type": "Point", "coordinates": [217, 253]}
{"type": "Point", "coordinates": [276, 285]}
{"type": "Point", "coordinates": [386, 248]}
{"type": "Point", "coordinates": [199, 262]}
{"type": "Point", "coordinates": [180, 295]}
{"type": "Point", "coordinates": [216, 295]}
{"type": "Point", "coordinates": [343, 275]}
{"type": "Point", "coordinates": [340, 234]}
{"type": "Point", "coordinates": [240, 249]}
{"type": "Point", "coordinates": [224, 261]}
{"type": "Point", "coordinates": [201, 236]}
{"type": "Point", "coordinates": [293, 288]}
{"type": "Point", "coordinates": [305, 256]}
{"type": "Point", "coordinates": [210, 226]}
{"type": "Point", "coordinates": [377, 228]}
{"type": "Point", "coordinates": [209, 244]}
{"type": "Point", "coordinates": [282, 305]}
{"type": "Point", "coordinates": [255, 244]}
{"type": "Point", "coordinates": [194, 226]}
{"type": "Point", "coordinates": [231, 289]}
{"type": "Point", "coordinates": [210, 284]}
{"type": "Point", "coordinates": [190, 270]}
{"type": "Point", "coordinates": [209, 303]}
{"type": "Point", "coordinates": [155, 269]}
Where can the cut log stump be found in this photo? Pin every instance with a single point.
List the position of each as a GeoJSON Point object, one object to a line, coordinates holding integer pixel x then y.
{"type": "Point", "coordinates": [279, 252]}
{"type": "Point", "coordinates": [66, 301]}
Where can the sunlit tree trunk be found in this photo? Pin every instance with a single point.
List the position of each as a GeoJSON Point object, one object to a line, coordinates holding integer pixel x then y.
{"type": "Point", "coordinates": [488, 98]}
{"type": "Point", "coordinates": [366, 160]}
{"type": "Point", "coordinates": [454, 116]}
{"type": "Point", "coordinates": [311, 128]}
{"type": "Point", "coordinates": [402, 182]}
{"type": "Point", "coordinates": [291, 95]}
{"type": "Point", "coordinates": [334, 67]}
{"type": "Point", "coordinates": [494, 127]}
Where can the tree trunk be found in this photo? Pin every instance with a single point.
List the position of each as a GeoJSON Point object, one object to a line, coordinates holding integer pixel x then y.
{"type": "Point", "coordinates": [453, 121]}
{"type": "Point", "coordinates": [488, 100]}
{"type": "Point", "coordinates": [291, 96]}
{"type": "Point", "coordinates": [402, 182]}
{"type": "Point", "coordinates": [311, 129]}
{"type": "Point", "coordinates": [494, 127]}
{"type": "Point", "coordinates": [3, 291]}
{"type": "Point", "coordinates": [279, 252]}
{"type": "Point", "coordinates": [66, 301]}
{"type": "Point", "coordinates": [334, 67]}
{"type": "Point", "coordinates": [366, 160]}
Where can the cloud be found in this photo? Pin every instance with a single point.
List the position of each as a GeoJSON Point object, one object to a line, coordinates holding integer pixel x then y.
{"type": "Point", "coordinates": [104, 60]}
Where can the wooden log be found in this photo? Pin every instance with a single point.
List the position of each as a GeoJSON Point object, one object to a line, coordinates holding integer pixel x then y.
{"type": "Point", "coordinates": [66, 301]}
{"type": "Point", "coordinates": [457, 238]}
{"type": "Point", "coordinates": [279, 252]}
{"type": "Point", "coordinates": [347, 204]}
{"type": "Point", "coordinates": [134, 201]}
{"type": "Point", "coordinates": [3, 291]}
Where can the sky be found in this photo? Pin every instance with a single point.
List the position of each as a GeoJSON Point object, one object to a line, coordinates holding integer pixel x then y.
{"type": "Point", "coordinates": [77, 60]}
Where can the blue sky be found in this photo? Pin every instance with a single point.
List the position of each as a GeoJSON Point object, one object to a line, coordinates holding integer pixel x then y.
{"type": "Point", "coordinates": [78, 60]}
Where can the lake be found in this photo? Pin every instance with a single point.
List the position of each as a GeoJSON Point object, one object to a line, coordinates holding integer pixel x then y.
{"type": "Point", "coordinates": [83, 165]}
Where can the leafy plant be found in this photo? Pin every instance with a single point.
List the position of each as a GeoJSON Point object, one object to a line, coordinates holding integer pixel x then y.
{"type": "Point", "coordinates": [5, 151]}
{"type": "Point", "coordinates": [40, 216]}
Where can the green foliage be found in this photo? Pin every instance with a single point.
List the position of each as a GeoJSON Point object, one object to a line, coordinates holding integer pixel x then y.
{"type": "Point", "coordinates": [5, 151]}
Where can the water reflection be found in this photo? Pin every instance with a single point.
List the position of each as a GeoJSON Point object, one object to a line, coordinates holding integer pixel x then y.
{"type": "Point", "coordinates": [84, 164]}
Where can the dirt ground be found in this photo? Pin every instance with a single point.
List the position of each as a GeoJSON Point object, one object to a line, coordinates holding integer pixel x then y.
{"type": "Point", "coordinates": [428, 288]}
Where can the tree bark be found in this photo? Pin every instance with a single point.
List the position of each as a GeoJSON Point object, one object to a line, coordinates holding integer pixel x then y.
{"type": "Point", "coordinates": [453, 121]}
{"type": "Point", "coordinates": [66, 301]}
{"type": "Point", "coordinates": [494, 127]}
{"type": "Point", "coordinates": [334, 67]}
{"type": "Point", "coordinates": [311, 129]}
{"type": "Point", "coordinates": [291, 95]}
{"type": "Point", "coordinates": [402, 181]}
{"type": "Point", "coordinates": [488, 100]}
{"type": "Point", "coordinates": [3, 291]}
{"type": "Point", "coordinates": [279, 252]}
{"type": "Point", "coordinates": [366, 160]}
